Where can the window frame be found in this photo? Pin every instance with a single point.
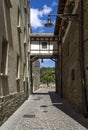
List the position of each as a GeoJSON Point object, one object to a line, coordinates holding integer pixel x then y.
{"type": "Point", "coordinates": [4, 58]}
{"type": "Point", "coordinates": [44, 45]}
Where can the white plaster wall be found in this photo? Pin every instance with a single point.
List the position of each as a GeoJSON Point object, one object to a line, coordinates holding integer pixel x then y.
{"type": "Point", "coordinates": [36, 48]}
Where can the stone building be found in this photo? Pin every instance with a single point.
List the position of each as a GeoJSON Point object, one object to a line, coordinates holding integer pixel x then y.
{"type": "Point", "coordinates": [14, 55]}
{"type": "Point", "coordinates": [72, 63]}
{"type": "Point", "coordinates": [36, 74]}
{"type": "Point", "coordinates": [42, 46]}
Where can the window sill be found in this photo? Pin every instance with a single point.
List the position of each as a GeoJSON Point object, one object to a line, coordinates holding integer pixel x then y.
{"type": "Point", "coordinates": [17, 79]}
{"type": "Point", "coordinates": [28, 52]}
{"type": "Point", "coordinates": [25, 43]}
{"type": "Point", "coordinates": [3, 75]}
{"type": "Point", "coordinates": [19, 28]}
{"type": "Point", "coordinates": [24, 80]}
{"type": "Point", "coordinates": [25, 9]}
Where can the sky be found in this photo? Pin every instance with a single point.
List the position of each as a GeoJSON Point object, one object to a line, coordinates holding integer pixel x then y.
{"type": "Point", "coordinates": [39, 14]}
{"type": "Point", "coordinates": [47, 63]}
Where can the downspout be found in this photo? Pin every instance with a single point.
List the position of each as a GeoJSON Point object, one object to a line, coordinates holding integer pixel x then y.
{"type": "Point", "coordinates": [82, 59]}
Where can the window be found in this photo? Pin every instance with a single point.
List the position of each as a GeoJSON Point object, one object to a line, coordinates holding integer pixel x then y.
{"type": "Point", "coordinates": [19, 17]}
{"type": "Point", "coordinates": [25, 6]}
{"type": "Point", "coordinates": [44, 45]}
{"type": "Point", "coordinates": [73, 74]}
{"type": "Point", "coordinates": [4, 58]}
{"type": "Point", "coordinates": [19, 21]}
{"type": "Point", "coordinates": [18, 74]}
{"type": "Point", "coordinates": [25, 39]}
{"type": "Point", "coordinates": [18, 67]}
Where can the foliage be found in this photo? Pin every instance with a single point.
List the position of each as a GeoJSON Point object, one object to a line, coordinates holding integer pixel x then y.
{"type": "Point", "coordinates": [47, 75]}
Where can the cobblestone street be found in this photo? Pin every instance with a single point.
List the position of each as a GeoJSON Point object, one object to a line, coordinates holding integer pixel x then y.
{"type": "Point", "coordinates": [44, 110]}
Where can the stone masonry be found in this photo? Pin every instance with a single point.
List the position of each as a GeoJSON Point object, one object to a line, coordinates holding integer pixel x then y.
{"type": "Point", "coordinates": [36, 74]}
{"type": "Point", "coordinates": [44, 110]}
{"type": "Point", "coordinates": [14, 41]}
{"type": "Point", "coordinates": [9, 104]}
{"type": "Point", "coordinates": [70, 85]}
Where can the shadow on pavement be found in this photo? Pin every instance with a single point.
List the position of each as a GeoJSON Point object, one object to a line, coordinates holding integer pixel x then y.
{"type": "Point", "coordinates": [63, 106]}
{"type": "Point", "coordinates": [40, 94]}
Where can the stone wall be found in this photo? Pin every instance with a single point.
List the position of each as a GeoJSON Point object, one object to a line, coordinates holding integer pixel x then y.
{"type": "Point", "coordinates": [2, 33]}
{"type": "Point", "coordinates": [85, 11]}
{"type": "Point", "coordinates": [9, 104]}
{"type": "Point", "coordinates": [36, 75]}
{"type": "Point", "coordinates": [13, 26]}
{"type": "Point", "coordinates": [15, 32]}
{"type": "Point", "coordinates": [72, 88]}
{"type": "Point", "coordinates": [70, 81]}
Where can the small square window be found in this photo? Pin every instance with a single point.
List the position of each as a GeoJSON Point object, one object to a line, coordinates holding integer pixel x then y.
{"type": "Point", "coordinates": [44, 45]}
{"type": "Point", "coordinates": [41, 38]}
{"type": "Point", "coordinates": [51, 39]}
{"type": "Point", "coordinates": [37, 39]}
{"type": "Point", "coordinates": [47, 39]}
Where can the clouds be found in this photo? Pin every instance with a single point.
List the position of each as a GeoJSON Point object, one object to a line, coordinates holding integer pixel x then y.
{"type": "Point", "coordinates": [46, 10]}
{"type": "Point", "coordinates": [54, 4]}
{"type": "Point", "coordinates": [39, 13]}
{"type": "Point", "coordinates": [37, 16]}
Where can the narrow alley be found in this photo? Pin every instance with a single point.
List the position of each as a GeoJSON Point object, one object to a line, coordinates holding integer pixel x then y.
{"type": "Point", "coordinates": [43, 111]}
{"type": "Point", "coordinates": [43, 65]}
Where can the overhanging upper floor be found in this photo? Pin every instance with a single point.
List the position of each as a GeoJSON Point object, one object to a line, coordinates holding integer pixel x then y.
{"type": "Point", "coordinates": [43, 45]}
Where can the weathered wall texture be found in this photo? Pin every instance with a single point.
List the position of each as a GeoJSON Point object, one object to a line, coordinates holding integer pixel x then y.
{"type": "Point", "coordinates": [86, 41]}
{"type": "Point", "coordinates": [36, 75]}
{"type": "Point", "coordinates": [70, 83]}
{"type": "Point", "coordinates": [14, 21]}
{"type": "Point", "coordinates": [72, 89]}
{"type": "Point", "coordinates": [9, 104]}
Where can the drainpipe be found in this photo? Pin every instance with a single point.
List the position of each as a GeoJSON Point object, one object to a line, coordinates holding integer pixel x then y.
{"type": "Point", "coordinates": [82, 59]}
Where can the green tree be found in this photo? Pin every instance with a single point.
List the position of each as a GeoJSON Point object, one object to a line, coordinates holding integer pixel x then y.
{"type": "Point", "coordinates": [47, 75]}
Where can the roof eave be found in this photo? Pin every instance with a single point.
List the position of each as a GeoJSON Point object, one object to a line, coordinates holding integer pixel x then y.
{"type": "Point", "coordinates": [60, 10]}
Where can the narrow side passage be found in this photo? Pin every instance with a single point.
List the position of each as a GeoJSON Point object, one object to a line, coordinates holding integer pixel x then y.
{"type": "Point", "coordinates": [44, 110]}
